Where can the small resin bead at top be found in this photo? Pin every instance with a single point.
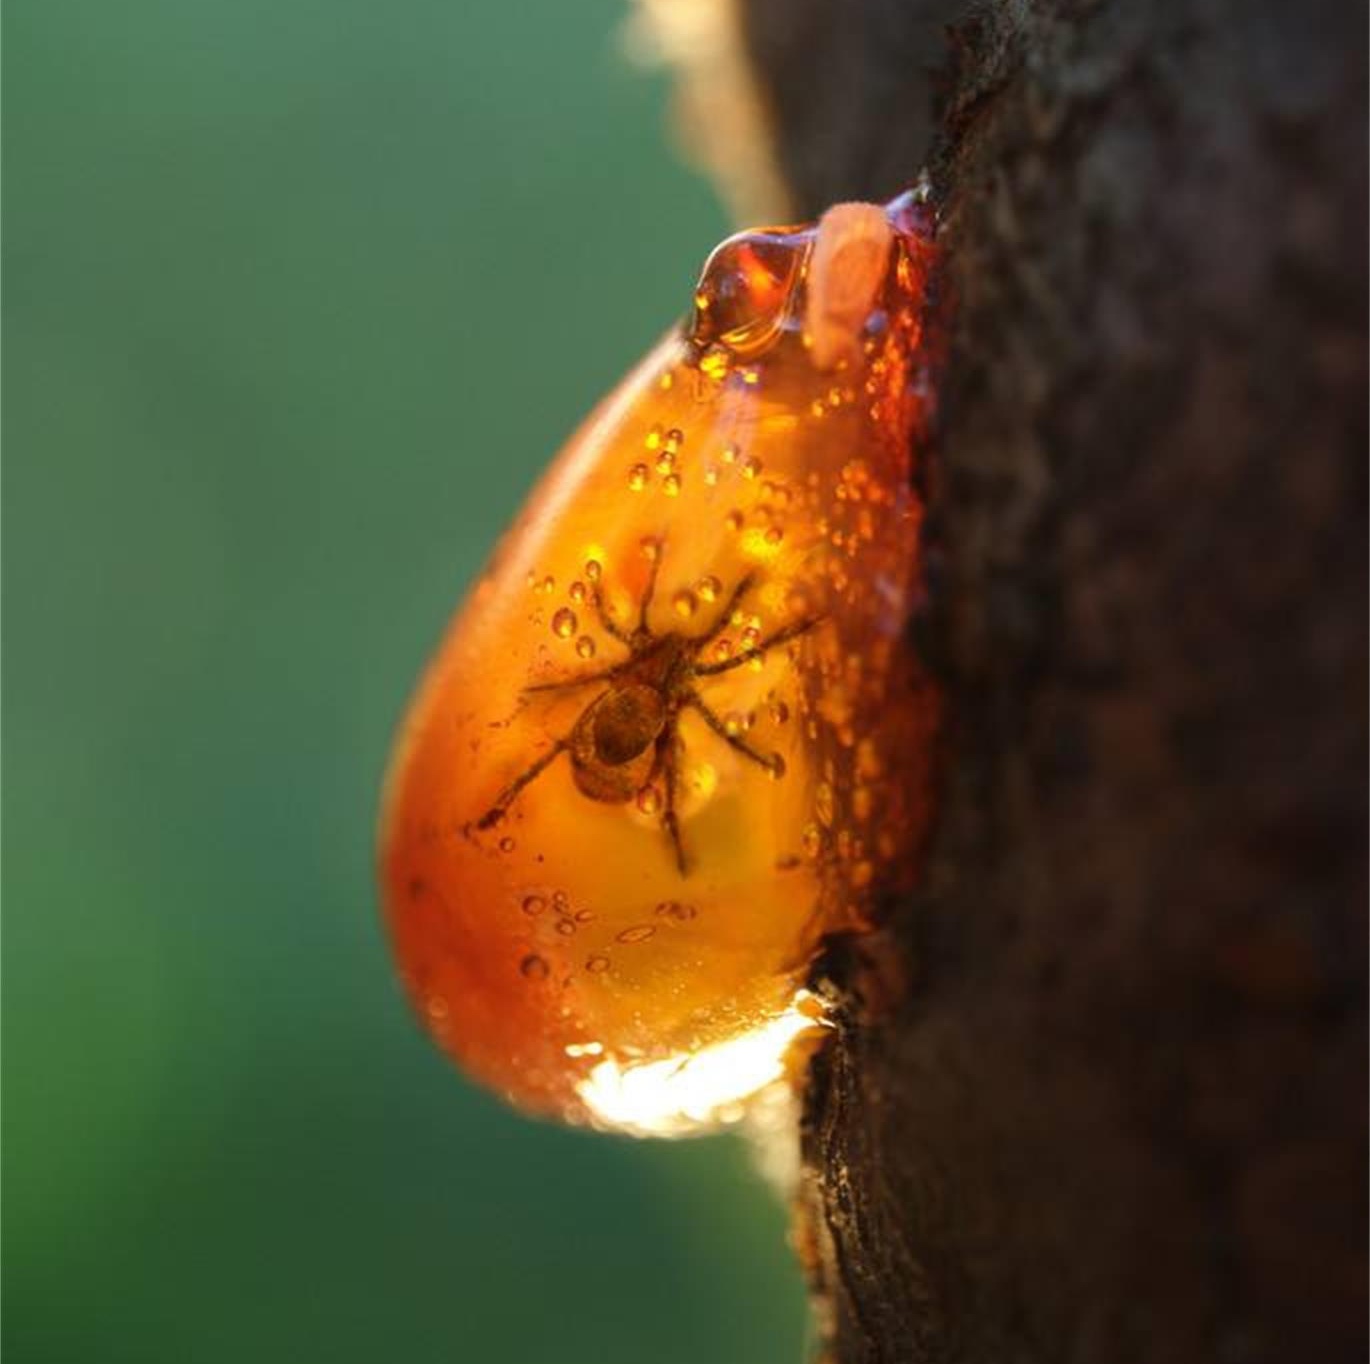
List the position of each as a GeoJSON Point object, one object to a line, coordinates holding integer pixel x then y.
{"type": "Point", "coordinates": [674, 738]}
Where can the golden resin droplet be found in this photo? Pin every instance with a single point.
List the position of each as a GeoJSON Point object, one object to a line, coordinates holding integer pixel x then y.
{"type": "Point", "coordinates": [607, 863]}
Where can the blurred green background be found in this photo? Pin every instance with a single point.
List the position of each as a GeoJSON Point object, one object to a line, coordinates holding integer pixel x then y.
{"type": "Point", "coordinates": [300, 297]}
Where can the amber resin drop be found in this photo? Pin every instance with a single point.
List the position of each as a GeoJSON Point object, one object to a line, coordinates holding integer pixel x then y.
{"type": "Point", "coordinates": [673, 738]}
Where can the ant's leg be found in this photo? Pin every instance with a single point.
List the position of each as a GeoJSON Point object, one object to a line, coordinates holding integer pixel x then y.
{"type": "Point", "coordinates": [649, 591]}
{"type": "Point", "coordinates": [607, 623]}
{"type": "Point", "coordinates": [669, 821]}
{"type": "Point", "coordinates": [744, 585]}
{"type": "Point", "coordinates": [781, 636]}
{"type": "Point", "coordinates": [773, 764]}
{"type": "Point", "coordinates": [510, 793]}
{"type": "Point", "coordinates": [600, 675]}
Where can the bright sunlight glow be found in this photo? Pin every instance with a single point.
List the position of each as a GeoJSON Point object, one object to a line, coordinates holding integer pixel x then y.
{"type": "Point", "coordinates": [686, 1091]}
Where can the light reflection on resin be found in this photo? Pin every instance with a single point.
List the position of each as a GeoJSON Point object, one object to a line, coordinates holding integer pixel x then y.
{"type": "Point", "coordinates": [673, 738]}
{"type": "Point", "coordinates": [682, 1093]}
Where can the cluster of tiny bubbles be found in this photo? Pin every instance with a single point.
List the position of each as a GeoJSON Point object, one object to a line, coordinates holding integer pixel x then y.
{"type": "Point", "coordinates": [567, 919]}
{"type": "Point", "coordinates": [714, 363]}
{"type": "Point", "coordinates": [663, 447]}
{"type": "Point", "coordinates": [779, 493]}
{"type": "Point", "coordinates": [674, 909]}
{"type": "Point", "coordinates": [564, 623]}
{"type": "Point", "coordinates": [561, 904]}
{"type": "Point", "coordinates": [702, 779]}
{"type": "Point", "coordinates": [823, 804]}
{"type": "Point", "coordinates": [856, 473]}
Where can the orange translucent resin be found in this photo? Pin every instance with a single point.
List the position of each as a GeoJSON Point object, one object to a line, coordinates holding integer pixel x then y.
{"type": "Point", "coordinates": [674, 738]}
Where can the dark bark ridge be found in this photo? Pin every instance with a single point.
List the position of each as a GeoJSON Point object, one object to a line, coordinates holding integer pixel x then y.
{"type": "Point", "coordinates": [1120, 1114]}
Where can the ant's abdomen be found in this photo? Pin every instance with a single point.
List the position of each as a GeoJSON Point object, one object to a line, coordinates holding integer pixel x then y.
{"type": "Point", "coordinates": [613, 744]}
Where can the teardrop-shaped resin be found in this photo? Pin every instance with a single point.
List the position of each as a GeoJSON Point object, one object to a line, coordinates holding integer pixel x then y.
{"type": "Point", "coordinates": [673, 738]}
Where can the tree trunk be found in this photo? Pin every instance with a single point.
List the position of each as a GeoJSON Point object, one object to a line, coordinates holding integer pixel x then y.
{"type": "Point", "coordinates": [1120, 1112]}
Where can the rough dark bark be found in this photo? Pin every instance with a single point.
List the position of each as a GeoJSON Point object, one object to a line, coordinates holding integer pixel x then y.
{"type": "Point", "coordinates": [1121, 1112]}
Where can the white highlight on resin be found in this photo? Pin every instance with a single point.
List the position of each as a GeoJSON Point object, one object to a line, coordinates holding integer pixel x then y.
{"type": "Point", "coordinates": [707, 1087]}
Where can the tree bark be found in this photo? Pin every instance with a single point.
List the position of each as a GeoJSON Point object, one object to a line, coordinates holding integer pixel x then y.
{"type": "Point", "coordinates": [1120, 1111]}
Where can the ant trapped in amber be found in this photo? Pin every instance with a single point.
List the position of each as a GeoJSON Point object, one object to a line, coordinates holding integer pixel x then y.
{"type": "Point", "coordinates": [628, 736]}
